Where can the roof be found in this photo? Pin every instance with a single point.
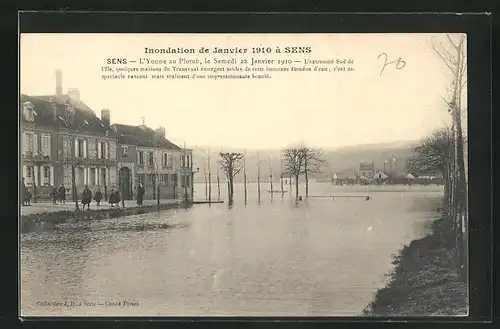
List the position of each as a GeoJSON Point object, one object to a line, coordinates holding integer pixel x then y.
{"type": "Point", "coordinates": [70, 117]}
{"type": "Point", "coordinates": [142, 136]}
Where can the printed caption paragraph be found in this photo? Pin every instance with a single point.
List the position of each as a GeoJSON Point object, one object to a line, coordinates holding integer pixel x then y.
{"type": "Point", "coordinates": [220, 64]}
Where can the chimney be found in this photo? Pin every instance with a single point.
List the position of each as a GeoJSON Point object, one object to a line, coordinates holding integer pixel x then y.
{"type": "Point", "coordinates": [58, 83]}
{"type": "Point", "coordinates": [160, 132]}
{"type": "Point", "coordinates": [106, 117]}
{"type": "Point", "coordinates": [74, 94]}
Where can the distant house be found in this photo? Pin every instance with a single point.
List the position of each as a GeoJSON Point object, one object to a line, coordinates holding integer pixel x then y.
{"type": "Point", "coordinates": [367, 170]}
{"type": "Point", "coordinates": [146, 156]}
{"type": "Point", "coordinates": [59, 132]}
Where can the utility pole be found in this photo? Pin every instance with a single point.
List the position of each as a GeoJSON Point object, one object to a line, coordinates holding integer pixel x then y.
{"type": "Point", "coordinates": [258, 178]}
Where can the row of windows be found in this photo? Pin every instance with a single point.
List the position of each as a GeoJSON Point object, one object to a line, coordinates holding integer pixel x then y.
{"type": "Point", "coordinates": [33, 143]}
{"type": "Point", "coordinates": [38, 175]}
{"type": "Point", "coordinates": [167, 159]}
{"type": "Point", "coordinates": [165, 179]}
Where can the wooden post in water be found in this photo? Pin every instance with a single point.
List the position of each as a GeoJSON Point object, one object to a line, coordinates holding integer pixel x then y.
{"type": "Point", "coordinates": [258, 178]}
{"type": "Point", "coordinates": [218, 185]}
{"type": "Point", "coordinates": [206, 185]}
{"type": "Point", "coordinates": [271, 177]}
{"type": "Point", "coordinates": [245, 174]}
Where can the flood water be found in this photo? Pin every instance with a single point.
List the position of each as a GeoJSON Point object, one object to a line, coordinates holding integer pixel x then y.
{"type": "Point", "coordinates": [320, 257]}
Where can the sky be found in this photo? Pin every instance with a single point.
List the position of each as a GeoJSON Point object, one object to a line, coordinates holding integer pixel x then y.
{"type": "Point", "coordinates": [319, 109]}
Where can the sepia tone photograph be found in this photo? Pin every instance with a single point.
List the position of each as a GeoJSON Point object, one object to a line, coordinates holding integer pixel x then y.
{"type": "Point", "coordinates": [184, 175]}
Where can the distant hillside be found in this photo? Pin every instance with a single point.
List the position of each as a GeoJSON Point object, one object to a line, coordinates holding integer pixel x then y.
{"type": "Point", "coordinates": [344, 160]}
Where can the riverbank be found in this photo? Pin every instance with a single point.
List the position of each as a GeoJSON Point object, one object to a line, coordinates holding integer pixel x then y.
{"type": "Point", "coordinates": [424, 281]}
{"type": "Point", "coordinates": [47, 220]}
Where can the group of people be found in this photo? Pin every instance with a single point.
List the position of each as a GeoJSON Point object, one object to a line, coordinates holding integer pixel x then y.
{"type": "Point", "coordinates": [59, 196]}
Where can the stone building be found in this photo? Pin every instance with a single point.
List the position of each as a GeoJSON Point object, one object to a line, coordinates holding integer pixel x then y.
{"type": "Point", "coordinates": [146, 156]}
{"type": "Point", "coordinates": [58, 133]}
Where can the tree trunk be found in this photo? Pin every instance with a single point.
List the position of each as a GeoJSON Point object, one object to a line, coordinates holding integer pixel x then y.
{"type": "Point", "coordinates": [218, 187]}
{"type": "Point", "coordinates": [245, 185]}
{"type": "Point", "coordinates": [258, 186]}
{"type": "Point", "coordinates": [297, 187]}
{"type": "Point", "coordinates": [206, 187]}
{"type": "Point", "coordinates": [209, 187]}
{"type": "Point", "coordinates": [231, 189]}
{"type": "Point", "coordinates": [73, 182]}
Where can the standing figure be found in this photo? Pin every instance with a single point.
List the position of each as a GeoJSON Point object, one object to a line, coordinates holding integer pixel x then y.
{"type": "Point", "coordinates": [86, 197]}
{"type": "Point", "coordinates": [98, 196]}
{"type": "Point", "coordinates": [140, 194]}
{"type": "Point", "coordinates": [114, 198]}
{"type": "Point", "coordinates": [62, 194]}
{"type": "Point", "coordinates": [55, 195]}
{"type": "Point", "coordinates": [25, 194]}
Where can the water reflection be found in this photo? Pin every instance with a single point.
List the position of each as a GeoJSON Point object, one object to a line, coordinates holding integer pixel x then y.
{"type": "Point", "coordinates": [315, 257]}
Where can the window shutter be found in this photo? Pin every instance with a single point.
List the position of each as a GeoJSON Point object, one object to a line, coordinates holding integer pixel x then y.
{"type": "Point", "coordinates": [35, 144]}
{"type": "Point", "coordinates": [49, 148]}
{"type": "Point", "coordinates": [35, 169]}
{"type": "Point", "coordinates": [76, 146]}
{"type": "Point", "coordinates": [85, 148]}
{"type": "Point", "coordinates": [85, 172]}
{"type": "Point", "coordinates": [112, 150]}
{"type": "Point", "coordinates": [99, 150]}
{"type": "Point", "coordinates": [52, 175]}
{"type": "Point", "coordinates": [106, 150]}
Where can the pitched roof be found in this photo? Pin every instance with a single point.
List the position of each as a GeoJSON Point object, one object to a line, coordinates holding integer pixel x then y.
{"type": "Point", "coordinates": [70, 117]}
{"type": "Point", "coordinates": [142, 136]}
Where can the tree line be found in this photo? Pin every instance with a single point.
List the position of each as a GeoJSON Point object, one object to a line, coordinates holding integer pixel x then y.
{"type": "Point", "coordinates": [443, 151]}
{"type": "Point", "coordinates": [297, 162]}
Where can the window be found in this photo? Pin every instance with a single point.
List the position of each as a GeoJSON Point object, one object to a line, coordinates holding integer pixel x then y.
{"type": "Point", "coordinates": [188, 158]}
{"type": "Point", "coordinates": [29, 113]}
{"type": "Point", "coordinates": [140, 158]}
{"type": "Point", "coordinates": [92, 176]}
{"type": "Point", "coordinates": [165, 160]}
{"type": "Point", "coordinates": [151, 178]}
{"type": "Point", "coordinates": [31, 143]}
{"type": "Point", "coordinates": [46, 144]}
{"type": "Point", "coordinates": [174, 179]}
{"type": "Point", "coordinates": [103, 177]}
{"type": "Point", "coordinates": [151, 159]}
{"type": "Point", "coordinates": [66, 147]}
{"type": "Point", "coordinates": [80, 149]}
{"type": "Point", "coordinates": [104, 150]}
{"type": "Point", "coordinates": [141, 178]}
{"type": "Point", "coordinates": [125, 151]}
{"type": "Point", "coordinates": [170, 161]}
{"type": "Point", "coordinates": [183, 160]}
{"type": "Point", "coordinates": [46, 175]}
{"type": "Point", "coordinates": [30, 173]}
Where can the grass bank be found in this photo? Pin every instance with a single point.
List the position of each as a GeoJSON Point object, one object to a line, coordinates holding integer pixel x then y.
{"type": "Point", "coordinates": [47, 220]}
{"type": "Point", "coordinates": [424, 280]}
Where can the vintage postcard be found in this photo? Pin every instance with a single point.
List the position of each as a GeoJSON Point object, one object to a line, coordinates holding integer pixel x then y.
{"type": "Point", "coordinates": [243, 175]}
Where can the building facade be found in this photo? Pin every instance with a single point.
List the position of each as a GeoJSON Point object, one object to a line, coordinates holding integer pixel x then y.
{"type": "Point", "coordinates": [61, 135]}
{"type": "Point", "coordinates": [147, 157]}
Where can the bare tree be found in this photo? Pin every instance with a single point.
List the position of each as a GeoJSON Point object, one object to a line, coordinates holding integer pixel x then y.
{"type": "Point", "coordinates": [245, 175]}
{"type": "Point", "coordinates": [452, 51]}
{"type": "Point", "coordinates": [293, 165]}
{"type": "Point", "coordinates": [433, 153]}
{"type": "Point", "coordinates": [230, 164]}
{"type": "Point", "coordinates": [313, 161]}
